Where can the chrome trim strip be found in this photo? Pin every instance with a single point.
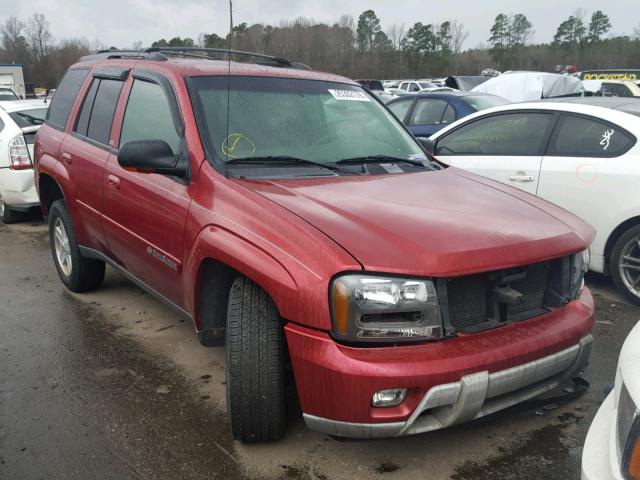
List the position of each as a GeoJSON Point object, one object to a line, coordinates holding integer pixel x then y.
{"type": "Point", "coordinates": [96, 255]}
{"type": "Point", "coordinates": [474, 396]}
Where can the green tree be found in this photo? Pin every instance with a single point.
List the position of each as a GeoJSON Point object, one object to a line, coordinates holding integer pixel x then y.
{"type": "Point", "coordinates": [571, 32]}
{"type": "Point", "coordinates": [368, 28]}
{"type": "Point", "coordinates": [419, 39]}
{"type": "Point", "coordinates": [214, 41]}
{"type": "Point", "coordinates": [520, 30]}
{"type": "Point", "coordinates": [598, 26]}
{"type": "Point", "coordinates": [499, 39]}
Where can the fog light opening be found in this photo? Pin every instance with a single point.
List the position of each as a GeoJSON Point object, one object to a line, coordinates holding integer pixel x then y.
{"type": "Point", "coordinates": [389, 398]}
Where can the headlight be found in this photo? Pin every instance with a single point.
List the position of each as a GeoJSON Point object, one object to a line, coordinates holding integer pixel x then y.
{"type": "Point", "coordinates": [628, 433]}
{"type": "Point", "coordinates": [579, 266]}
{"type": "Point", "coordinates": [368, 308]}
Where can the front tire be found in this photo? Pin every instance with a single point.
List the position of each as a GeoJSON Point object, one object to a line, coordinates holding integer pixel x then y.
{"type": "Point", "coordinates": [256, 397]}
{"type": "Point", "coordinates": [625, 264]}
{"type": "Point", "coordinates": [78, 273]}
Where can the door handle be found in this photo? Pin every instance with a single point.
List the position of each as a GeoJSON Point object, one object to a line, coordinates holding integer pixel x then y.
{"type": "Point", "coordinates": [521, 178]}
{"type": "Point", "coordinates": [114, 182]}
{"type": "Point", "coordinates": [66, 158]}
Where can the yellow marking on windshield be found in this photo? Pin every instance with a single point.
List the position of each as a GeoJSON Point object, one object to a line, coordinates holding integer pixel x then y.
{"type": "Point", "coordinates": [235, 140]}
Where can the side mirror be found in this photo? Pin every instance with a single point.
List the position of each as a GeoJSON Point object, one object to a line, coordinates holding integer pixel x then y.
{"type": "Point", "coordinates": [428, 145]}
{"type": "Point", "coordinates": [150, 156]}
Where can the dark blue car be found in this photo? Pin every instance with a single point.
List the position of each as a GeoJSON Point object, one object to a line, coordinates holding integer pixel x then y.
{"type": "Point", "coordinates": [426, 113]}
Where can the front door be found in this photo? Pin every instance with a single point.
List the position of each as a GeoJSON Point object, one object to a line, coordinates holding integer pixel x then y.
{"type": "Point", "coordinates": [145, 213]}
{"type": "Point", "coordinates": [506, 147]}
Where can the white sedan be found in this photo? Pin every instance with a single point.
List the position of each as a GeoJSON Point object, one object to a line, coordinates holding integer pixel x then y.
{"type": "Point", "coordinates": [19, 122]}
{"type": "Point", "coordinates": [580, 153]}
{"type": "Point", "coordinates": [612, 448]}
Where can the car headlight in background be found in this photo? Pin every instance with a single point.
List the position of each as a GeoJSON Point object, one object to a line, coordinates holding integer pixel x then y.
{"type": "Point", "coordinates": [579, 266]}
{"type": "Point", "coordinates": [628, 433]}
{"type": "Point", "coordinates": [370, 308]}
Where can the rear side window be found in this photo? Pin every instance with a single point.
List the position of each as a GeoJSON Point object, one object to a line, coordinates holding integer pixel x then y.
{"type": "Point", "coordinates": [7, 95]}
{"type": "Point", "coordinates": [615, 90]}
{"type": "Point", "coordinates": [428, 112]}
{"type": "Point", "coordinates": [509, 134]}
{"type": "Point", "coordinates": [588, 137]}
{"type": "Point", "coordinates": [98, 109]}
{"type": "Point", "coordinates": [33, 117]}
{"type": "Point", "coordinates": [400, 109]}
{"type": "Point", "coordinates": [64, 97]}
{"type": "Point", "coordinates": [148, 116]}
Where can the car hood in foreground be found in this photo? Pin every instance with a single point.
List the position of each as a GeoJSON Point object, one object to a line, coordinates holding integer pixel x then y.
{"type": "Point", "coordinates": [441, 223]}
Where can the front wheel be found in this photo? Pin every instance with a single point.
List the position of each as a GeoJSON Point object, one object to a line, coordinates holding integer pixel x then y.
{"type": "Point", "coordinates": [255, 348]}
{"type": "Point", "coordinates": [78, 273]}
{"type": "Point", "coordinates": [625, 264]}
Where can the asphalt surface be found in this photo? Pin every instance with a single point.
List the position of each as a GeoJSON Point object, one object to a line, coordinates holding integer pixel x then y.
{"type": "Point", "coordinates": [113, 385]}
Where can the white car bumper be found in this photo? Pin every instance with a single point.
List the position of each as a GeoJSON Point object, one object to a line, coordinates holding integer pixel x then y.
{"type": "Point", "coordinates": [17, 188]}
{"type": "Point", "coordinates": [600, 445]}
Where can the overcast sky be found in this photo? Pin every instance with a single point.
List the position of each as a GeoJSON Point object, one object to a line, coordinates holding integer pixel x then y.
{"type": "Point", "coordinates": [123, 22]}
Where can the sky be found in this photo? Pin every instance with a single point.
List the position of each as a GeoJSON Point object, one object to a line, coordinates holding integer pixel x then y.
{"type": "Point", "coordinates": [121, 23]}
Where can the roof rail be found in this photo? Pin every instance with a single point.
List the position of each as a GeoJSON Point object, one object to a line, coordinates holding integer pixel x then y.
{"type": "Point", "coordinates": [113, 54]}
{"type": "Point", "coordinates": [222, 51]}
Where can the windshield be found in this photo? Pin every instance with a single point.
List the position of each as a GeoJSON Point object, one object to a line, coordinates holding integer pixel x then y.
{"type": "Point", "coordinates": [482, 102]}
{"type": "Point", "coordinates": [426, 85]}
{"type": "Point", "coordinates": [318, 121]}
{"type": "Point", "coordinates": [7, 95]}
{"type": "Point", "coordinates": [29, 118]}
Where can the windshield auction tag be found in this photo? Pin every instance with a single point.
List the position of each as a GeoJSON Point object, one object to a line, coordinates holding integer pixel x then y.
{"type": "Point", "coordinates": [349, 95]}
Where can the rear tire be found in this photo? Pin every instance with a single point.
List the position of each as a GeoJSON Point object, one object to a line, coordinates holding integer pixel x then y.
{"type": "Point", "coordinates": [78, 273]}
{"type": "Point", "coordinates": [256, 397]}
{"type": "Point", "coordinates": [7, 215]}
{"type": "Point", "coordinates": [626, 253]}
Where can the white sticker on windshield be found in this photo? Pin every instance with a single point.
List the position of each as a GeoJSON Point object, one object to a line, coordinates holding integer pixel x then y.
{"type": "Point", "coordinates": [349, 95]}
{"type": "Point", "coordinates": [606, 139]}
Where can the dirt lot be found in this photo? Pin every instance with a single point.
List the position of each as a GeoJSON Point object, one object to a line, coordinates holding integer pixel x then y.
{"type": "Point", "coordinates": [113, 385]}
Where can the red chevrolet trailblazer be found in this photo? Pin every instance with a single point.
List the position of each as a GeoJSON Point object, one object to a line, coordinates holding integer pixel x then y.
{"type": "Point", "coordinates": [296, 221]}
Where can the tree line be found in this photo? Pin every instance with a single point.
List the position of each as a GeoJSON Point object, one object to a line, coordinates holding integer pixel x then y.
{"type": "Point", "coordinates": [362, 48]}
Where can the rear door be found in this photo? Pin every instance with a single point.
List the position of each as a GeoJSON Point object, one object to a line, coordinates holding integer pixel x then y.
{"type": "Point", "coordinates": [506, 146]}
{"type": "Point", "coordinates": [145, 213]}
{"type": "Point", "coordinates": [85, 152]}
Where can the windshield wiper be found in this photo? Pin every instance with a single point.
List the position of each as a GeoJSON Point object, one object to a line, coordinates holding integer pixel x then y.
{"type": "Point", "coordinates": [383, 159]}
{"type": "Point", "coordinates": [279, 160]}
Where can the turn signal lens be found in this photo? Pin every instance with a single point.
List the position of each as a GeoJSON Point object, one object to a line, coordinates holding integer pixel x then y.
{"type": "Point", "coordinates": [341, 306]}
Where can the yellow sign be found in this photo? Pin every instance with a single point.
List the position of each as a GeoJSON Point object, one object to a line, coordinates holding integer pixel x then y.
{"type": "Point", "coordinates": [610, 76]}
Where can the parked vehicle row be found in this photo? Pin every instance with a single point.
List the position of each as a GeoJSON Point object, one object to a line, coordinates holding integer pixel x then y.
{"type": "Point", "coordinates": [295, 220]}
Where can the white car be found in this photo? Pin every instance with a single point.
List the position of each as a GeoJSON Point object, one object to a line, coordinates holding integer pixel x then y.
{"type": "Point", "coordinates": [19, 122]}
{"type": "Point", "coordinates": [612, 448]}
{"type": "Point", "coordinates": [580, 153]}
{"type": "Point", "coordinates": [414, 86]}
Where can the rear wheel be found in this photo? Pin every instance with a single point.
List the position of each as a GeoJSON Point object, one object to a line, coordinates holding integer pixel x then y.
{"type": "Point", "coordinates": [78, 273]}
{"type": "Point", "coordinates": [7, 215]}
{"type": "Point", "coordinates": [256, 398]}
{"type": "Point", "coordinates": [625, 264]}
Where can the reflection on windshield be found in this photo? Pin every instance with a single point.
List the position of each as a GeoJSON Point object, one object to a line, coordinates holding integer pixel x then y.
{"type": "Point", "coordinates": [313, 120]}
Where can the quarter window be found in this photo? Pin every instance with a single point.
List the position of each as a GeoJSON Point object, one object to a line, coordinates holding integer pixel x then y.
{"type": "Point", "coordinates": [98, 109]}
{"type": "Point", "coordinates": [148, 116]}
{"type": "Point", "coordinates": [400, 109]}
{"type": "Point", "coordinates": [428, 112]}
{"type": "Point", "coordinates": [520, 134]}
{"type": "Point", "coordinates": [65, 96]}
{"type": "Point", "coordinates": [588, 137]}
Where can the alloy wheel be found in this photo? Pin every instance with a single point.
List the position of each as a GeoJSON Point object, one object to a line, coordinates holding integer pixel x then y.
{"type": "Point", "coordinates": [61, 246]}
{"type": "Point", "coordinates": [629, 266]}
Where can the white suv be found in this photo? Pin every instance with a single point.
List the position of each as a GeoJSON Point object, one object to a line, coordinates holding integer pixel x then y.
{"type": "Point", "coordinates": [19, 122]}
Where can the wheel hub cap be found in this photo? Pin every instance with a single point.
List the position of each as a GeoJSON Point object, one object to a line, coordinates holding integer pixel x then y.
{"type": "Point", "coordinates": [61, 246]}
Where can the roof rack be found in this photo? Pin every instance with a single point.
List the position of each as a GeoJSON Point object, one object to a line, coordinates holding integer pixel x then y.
{"type": "Point", "coordinates": [161, 53]}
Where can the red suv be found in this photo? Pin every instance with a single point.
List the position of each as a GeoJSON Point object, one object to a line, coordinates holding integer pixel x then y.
{"type": "Point", "coordinates": [294, 219]}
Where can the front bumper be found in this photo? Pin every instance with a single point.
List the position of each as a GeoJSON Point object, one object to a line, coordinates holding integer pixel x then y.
{"type": "Point", "coordinates": [600, 445]}
{"type": "Point", "coordinates": [448, 382]}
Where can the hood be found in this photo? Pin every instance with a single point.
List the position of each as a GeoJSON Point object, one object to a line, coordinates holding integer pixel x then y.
{"type": "Point", "coordinates": [443, 223]}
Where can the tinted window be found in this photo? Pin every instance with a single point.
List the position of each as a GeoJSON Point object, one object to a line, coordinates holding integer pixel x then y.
{"type": "Point", "coordinates": [508, 134]}
{"type": "Point", "coordinates": [64, 97]}
{"type": "Point", "coordinates": [615, 90]}
{"type": "Point", "coordinates": [148, 116]}
{"type": "Point", "coordinates": [585, 137]}
{"type": "Point", "coordinates": [104, 107]}
{"type": "Point", "coordinates": [82, 123]}
{"type": "Point", "coordinates": [449, 115]}
{"type": "Point", "coordinates": [400, 109]}
{"type": "Point", "coordinates": [29, 118]}
{"type": "Point", "coordinates": [428, 112]}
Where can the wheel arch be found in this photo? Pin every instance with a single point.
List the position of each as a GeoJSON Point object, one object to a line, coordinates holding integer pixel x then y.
{"type": "Point", "coordinates": [615, 235]}
{"type": "Point", "coordinates": [49, 191]}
